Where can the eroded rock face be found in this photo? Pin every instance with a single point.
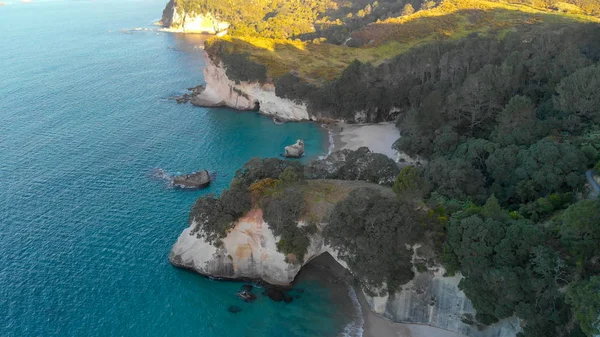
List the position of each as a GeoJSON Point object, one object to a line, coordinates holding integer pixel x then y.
{"type": "Point", "coordinates": [249, 252]}
{"type": "Point", "coordinates": [220, 91]}
{"type": "Point", "coordinates": [176, 20]}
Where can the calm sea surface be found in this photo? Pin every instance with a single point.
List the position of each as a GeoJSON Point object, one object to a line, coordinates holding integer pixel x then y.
{"type": "Point", "coordinates": [86, 223]}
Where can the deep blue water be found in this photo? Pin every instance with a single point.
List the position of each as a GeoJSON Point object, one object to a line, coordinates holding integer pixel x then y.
{"type": "Point", "coordinates": [85, 226]}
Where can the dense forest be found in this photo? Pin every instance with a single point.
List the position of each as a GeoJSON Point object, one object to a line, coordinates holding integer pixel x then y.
{"type": "Point", "coordinates": [500, 103]}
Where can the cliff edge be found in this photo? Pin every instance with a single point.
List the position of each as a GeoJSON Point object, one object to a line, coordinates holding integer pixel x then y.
{"type": "Point", "coordinates": [220, 91]}
{"type": "Point", "coordinates": [176, 19]}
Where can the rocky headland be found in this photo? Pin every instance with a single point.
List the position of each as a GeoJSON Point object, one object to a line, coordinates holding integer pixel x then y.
{"type": "Point", "coordinates": [221, 91]}
{"type": "Point", "coordinates": [250, 250]}
{"type": "Point", "coordinates": [175, 19]}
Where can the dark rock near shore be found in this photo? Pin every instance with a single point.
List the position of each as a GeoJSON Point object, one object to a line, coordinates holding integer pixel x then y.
{"type": "Point", "coordinates": [234, 309]}
{"type": "Point", "coordinates": [193, 92]}
{"type": "Point", "coordinates": [275, 294]}
{"type": "Point", "coordinates": [278, 294]}
{"type": "Point", "coordinates": [193, 180]}
{"type": "Point", "coordinates": [247, 287]}
{"type": "Point", "coordinates": [246, 296]}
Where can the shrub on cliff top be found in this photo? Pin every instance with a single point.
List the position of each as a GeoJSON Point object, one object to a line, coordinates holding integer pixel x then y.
{"type": "Point", "coordinates": [282, 210]}
{"type": "Point", "coordinates": [240, 68]}
{"type": "Point", "coordinates": [261, 168]}
{"type": "Point", "coordinates": [214, 217]}
{"type": "Point", "coordinates": [370, 232]}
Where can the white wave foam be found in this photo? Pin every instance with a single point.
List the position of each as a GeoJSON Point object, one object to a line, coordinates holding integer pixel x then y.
{"type": "Point", "coordinates": [162, 175]}
{"type": "Point", "coordinates": [331, 145]}
{"type": "Point", "coordinates": [354, 328]}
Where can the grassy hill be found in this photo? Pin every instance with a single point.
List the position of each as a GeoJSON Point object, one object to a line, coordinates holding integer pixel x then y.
{"type": "Point", "coordinates": [316, 61]}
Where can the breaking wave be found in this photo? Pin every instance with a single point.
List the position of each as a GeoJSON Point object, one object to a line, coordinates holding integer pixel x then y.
{"type": "Point", "coordinates": [354, 328]}
{"type": "Point", "coordinates": [331, 145]}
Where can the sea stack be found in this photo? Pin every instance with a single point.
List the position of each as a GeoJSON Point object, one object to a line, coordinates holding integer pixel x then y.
{"type": "Point", "coordinates": [294, 151]}
{"type": "Point", "coordinates": [193, 180]}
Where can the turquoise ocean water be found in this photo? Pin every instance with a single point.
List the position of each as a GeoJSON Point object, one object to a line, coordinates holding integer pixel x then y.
{"type": "Point", "coordinates": [85, 224]}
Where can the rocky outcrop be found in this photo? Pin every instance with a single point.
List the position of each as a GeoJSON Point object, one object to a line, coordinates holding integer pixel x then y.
{"type": "Point", "coordinates": [175, 19]}
{"type": "Point", "coordinates": [249, 252]}
{"type": "Point", "coordinates": [295, 150]}
{"type": "Point", "coordinates": [359, 164]}
{"type": "Point", "coordinates": [193, 180]}
{"type": "Point", "coordinates": [220, 91]}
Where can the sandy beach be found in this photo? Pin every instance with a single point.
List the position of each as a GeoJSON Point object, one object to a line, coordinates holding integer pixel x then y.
{"type": "Point", "coordinates": [378, 138]}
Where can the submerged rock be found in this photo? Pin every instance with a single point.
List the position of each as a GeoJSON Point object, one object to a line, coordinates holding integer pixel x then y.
{"type": "Point", "coordinates": [294, 151]}
{"type": "Point", "coordinates": [246, 295]}
{"type": "Point", "coordinates": [193, 180]}
{"type": "Point", "coordinates": [275, 294]}
{"type": "Point", "coordinates": [234, 309]}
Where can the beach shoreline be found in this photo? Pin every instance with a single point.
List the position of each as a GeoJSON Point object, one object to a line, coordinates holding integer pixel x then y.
{"type": "Point", "coordinates": [351, 300]}
{"type": "Point", "coordinates": [379, 137]}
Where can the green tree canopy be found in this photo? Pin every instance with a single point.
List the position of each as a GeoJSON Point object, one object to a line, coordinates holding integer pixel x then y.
{"type": "Point", "coordinates": [578, 93]}
{"type": "Point", "coordinates": [584, 296]}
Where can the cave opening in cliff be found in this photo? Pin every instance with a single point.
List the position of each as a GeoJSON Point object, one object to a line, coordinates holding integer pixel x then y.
{"type": "Point", "coordinates": [324, 268]}
{"type": "Point", "coordinates": [256, 106]}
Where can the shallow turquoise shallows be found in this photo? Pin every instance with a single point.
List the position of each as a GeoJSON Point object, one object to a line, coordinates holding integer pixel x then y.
{"type": "Point", "coordinates": [86, 223]}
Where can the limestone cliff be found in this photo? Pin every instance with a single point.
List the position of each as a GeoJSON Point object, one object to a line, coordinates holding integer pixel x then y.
{"type": "Point", "coordinates": [220, 91]}
{"type": "Point", "coordinates": [175, 19]}
{"type": "Point", "coordinates": [249, 251]}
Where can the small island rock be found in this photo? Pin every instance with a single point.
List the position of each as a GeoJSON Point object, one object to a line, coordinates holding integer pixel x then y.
{"type": "Point", "coordinates": [193, 180]}
{"type": "Point", "coordinates": [295, 151]}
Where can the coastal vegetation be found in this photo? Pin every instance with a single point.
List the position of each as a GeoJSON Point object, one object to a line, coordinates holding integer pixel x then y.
{"type": "Point", "coordinates": [500, 99]}
{"type": "Point", "coordinates": [281, 189]}
{"type": "Point", "coordinates": [373, 32]}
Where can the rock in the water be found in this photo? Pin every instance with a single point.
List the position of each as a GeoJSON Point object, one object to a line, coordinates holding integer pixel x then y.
{"type": "Point", "coordinates": [288, 299]}
{"type": "Point", "coordinates": [247, 296]}
{"type": "Point", "coordinates": [247, 287]}
{"type": "Point", "coordinates": [275, 294]}
{"type": "Point", "coordinates": [234, 309]}
{"type": "Point", "coordinates": [194, 180]}
{"type": "Point", "coordinates": [294, 151]}
{"type": "Point", "coordinates": [193, 92]}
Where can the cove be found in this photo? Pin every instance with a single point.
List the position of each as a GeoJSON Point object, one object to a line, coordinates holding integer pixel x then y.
{"type": "Point", "coordinates": [86, 222]}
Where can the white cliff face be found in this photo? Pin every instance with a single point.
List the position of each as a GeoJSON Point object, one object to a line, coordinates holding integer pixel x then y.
{"type": "Point", "coordinates": [249, 251]}
{"type": "Point", "coordinates": [434, 300]}
{"type": "Point", "coordinates": [176, 20]}
{"type": "Point", "coordinates": [220, 91]}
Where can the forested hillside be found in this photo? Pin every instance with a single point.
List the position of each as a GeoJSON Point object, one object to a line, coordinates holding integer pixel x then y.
{"type": "Point", "coordinates": [500, 99]}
